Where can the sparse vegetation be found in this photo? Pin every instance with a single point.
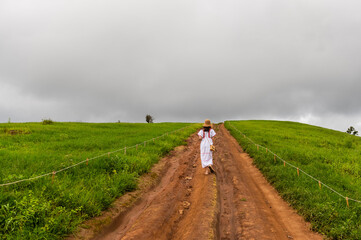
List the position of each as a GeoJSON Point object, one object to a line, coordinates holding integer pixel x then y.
{"type": "Point", "coordinates": [330, 156]}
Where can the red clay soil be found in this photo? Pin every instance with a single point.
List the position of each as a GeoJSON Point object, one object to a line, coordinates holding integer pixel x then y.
{"type": "Point", "coordinates": [237, 203]}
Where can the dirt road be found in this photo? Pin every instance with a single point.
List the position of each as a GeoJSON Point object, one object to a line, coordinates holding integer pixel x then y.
{"type": "Point", "coordinates": [237, 203]}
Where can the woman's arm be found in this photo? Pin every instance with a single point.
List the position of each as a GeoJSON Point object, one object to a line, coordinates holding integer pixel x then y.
{"type": "Point", "coordinates": [200, 134]}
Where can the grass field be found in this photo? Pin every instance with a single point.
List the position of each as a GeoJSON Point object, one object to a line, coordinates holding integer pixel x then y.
{"type": "Point", "coordinates": [331, 156]}
{"type": "Point", "coordinates": [40, 209]}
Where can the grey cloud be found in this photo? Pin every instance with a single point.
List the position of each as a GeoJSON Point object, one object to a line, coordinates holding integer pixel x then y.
{"type": "Point", "coordinates": [181, 60]}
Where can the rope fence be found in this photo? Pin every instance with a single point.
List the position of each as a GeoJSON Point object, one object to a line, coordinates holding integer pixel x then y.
{"type": "Point", "coordinates": [320, 183]}
{"type": "Point", "coordinates": [89, 159]}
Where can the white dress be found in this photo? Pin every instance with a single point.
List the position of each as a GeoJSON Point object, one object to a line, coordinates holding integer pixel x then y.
{"type": "Point", "coordinates": [206, 153]}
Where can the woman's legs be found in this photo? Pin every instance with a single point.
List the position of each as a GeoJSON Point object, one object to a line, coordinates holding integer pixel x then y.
{"type": "Point", "coordinates": [209, 169]}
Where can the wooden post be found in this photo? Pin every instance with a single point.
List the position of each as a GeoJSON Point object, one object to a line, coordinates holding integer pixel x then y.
{"type": "Point", "coordinates": [284, 163]}
{"type": "Point", "coordinates": [298, 172]}
{"type": "Point", "coordinates": [266, 150]}
{"type": "Point", "coordinates": [53, 177]}
{"type": "Point", "coordinates": [347, 202]}
{"type": "Point", "coordinates": [87, 160]}
{"type": "Point", "coordinates": [319, 184]}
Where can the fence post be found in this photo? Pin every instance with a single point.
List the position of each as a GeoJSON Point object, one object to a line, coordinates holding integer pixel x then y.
{"type": "Point", "coordinates": [53, 177]}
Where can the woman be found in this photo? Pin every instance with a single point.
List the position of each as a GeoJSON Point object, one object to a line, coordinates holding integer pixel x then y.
{"type": "Point", "coordinates": [206, 135]}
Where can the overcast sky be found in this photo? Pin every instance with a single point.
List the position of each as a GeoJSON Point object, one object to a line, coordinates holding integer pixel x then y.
{"type": "Point", "coordinates": [181, 60]}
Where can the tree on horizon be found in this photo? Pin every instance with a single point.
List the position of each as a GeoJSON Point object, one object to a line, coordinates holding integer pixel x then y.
{"type": "Point", "coordinates": [351, 130]}
{"type": "Point", "coordinates": [149, 118]}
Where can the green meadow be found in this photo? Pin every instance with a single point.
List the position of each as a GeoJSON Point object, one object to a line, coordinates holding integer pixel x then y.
{"type": "Point", "coordinates": [330, 156]}
{"type": "Point", "coordinates": [47, 209]}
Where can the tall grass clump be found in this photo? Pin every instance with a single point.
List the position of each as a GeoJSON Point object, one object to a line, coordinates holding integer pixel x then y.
{"type": "Point", "coordinates": [49, 208]}
{"type": "Point", "coordinates": [330, 156]}
{"type": "Point", "coordinates": [47, 121]}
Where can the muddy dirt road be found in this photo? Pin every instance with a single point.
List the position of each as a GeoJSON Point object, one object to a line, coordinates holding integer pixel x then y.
{"type": "Point", "coordinates": [237, 203]}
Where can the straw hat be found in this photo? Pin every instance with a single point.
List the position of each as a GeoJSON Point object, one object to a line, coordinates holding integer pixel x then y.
{"type": "Point", "coordinates": [207, 123]}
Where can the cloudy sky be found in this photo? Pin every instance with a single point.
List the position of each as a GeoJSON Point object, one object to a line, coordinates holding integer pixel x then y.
{"type": "Point", "coordinates": [181, 60]}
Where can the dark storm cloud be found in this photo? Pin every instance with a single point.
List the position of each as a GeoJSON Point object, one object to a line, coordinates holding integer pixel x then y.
{"type": "Point", "coordinates": [181, 60]}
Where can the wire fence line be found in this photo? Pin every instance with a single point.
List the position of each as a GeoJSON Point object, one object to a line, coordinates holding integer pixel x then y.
{"type": "Point", "coordinates": [293, 166]}
{"type": "Point", "coordinates": [89, 159]}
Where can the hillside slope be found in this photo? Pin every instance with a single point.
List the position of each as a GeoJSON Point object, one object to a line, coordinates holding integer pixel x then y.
{"type": "Point", "coordinates": [330, 156]}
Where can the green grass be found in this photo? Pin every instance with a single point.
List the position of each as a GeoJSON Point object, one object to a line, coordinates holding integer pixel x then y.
{"type": "Point", "coordinates": [332, 157]}
{"type": "Point", "coordinates": [40, 209]}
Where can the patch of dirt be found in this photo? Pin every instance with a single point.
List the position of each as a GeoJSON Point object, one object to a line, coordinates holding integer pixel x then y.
{"type": "Point", "coordinates": [16, 131]}
{"type": "Point", "coordinates": [178, 201]}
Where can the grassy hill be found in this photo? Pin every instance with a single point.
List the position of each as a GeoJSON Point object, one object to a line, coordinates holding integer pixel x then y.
{"type": "Point", "coordinates": [330, 156]}
{"type": "Point", "coordinates": [40, 209]}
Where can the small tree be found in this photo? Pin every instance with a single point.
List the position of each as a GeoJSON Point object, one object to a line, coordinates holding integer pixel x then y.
{"type": "Point", "coordinates": [149, 118]}
{"type": "Point", "coordinates": [352, 130]}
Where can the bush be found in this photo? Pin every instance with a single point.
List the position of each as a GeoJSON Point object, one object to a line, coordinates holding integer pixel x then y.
{"type": "Point", "coordinates": [47, 121]}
